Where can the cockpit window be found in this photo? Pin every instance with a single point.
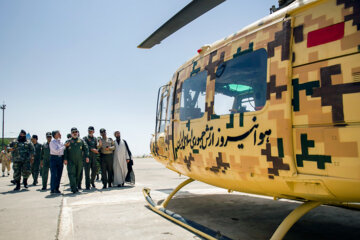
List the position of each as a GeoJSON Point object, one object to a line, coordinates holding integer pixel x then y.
{"type": "Point", "coordinates": [193, 97]}
{"type": "Point", "coordinates": [240, 84]}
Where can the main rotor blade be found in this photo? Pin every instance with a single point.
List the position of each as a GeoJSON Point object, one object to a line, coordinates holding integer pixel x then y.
{"type": "Point", "coordinates": [190, 12]}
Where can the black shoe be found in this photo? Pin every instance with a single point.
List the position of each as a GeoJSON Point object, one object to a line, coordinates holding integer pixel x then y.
{"type": "Point", "coordinates": [79, 187]}
{"type": "Point", "coordinates": [119, 185]}
{"type": "Point", "coordinates": [34, 183]}
{"type": "Point", "coordinates": [13, 181]}
{"type": "Point", "coordinates": [104, 187]}
{"type": "Point", "coordinates": [97, 176]}
{"type": "Point", "coordinates": [73, 191]}
{"type": "Point", "coordinates": [25, 183]}
{"type": "Point", "coordinates": [87, 188]}
{"type": "Point", "coordinates": [122, 184]}
{"type": "Point", "coordinates": [17, 186]}
{"type": "Point", "coordinates": [52, 192]}
{"type": "Point", "coordinates": [43, 188]}
{"type": "Point", "coordinates": [93, 185]}
{"type": "Point", "coordinates": [109, 184]}
{"type": "Point", "coordinates": [57, 191]}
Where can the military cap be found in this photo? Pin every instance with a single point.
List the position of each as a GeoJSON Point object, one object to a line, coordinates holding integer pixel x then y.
{"type": "Point", "coordinates": [22, 131]}
{"type": "Point", "coordinates": [102, 130]}
{"type": "Point", "coordinates": [48, 134]}
{"type": "Point", "coordinates": [74, 129]}
{"type": "Point", "coordinates": [91, 128]}
{"type": "Point", "coordinates": [34, 136]}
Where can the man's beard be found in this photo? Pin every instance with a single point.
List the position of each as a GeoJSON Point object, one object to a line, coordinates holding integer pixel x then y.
{"type": "Point", "coordinates": [22, 138]}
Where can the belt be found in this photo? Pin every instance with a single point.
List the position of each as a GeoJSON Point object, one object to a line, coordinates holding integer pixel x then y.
{"type": "Point", "coordinates": [56, 155]}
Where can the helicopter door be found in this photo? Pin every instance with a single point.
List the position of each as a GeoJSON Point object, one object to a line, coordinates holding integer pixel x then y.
{"type": "Point", "coordinates": [159, 147]}
{"type": "Point", "coordinates": [326, 92]}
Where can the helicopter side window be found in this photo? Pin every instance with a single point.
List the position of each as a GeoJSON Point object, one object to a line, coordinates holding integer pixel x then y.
{"type": "Point", "coordinates": [193, 97]}
{"type": "Point", "coordinates": [240, 84]}
{"type": "Point", "coordinates": [161, 113]}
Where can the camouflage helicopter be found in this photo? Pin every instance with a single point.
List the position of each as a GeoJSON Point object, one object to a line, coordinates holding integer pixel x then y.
{"type": "Point", "coordinates": [270, 110]}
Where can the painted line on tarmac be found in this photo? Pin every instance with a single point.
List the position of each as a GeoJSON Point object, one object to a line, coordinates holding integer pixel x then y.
{"type": "Point", "coordinates": [66, 226]}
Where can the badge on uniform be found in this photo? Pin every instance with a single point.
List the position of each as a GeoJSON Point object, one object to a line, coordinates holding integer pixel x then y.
{"type": "Point", "coordinates": [80, 147]}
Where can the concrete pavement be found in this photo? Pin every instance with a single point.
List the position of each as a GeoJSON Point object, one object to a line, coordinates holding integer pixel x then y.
{"type": "Point", "coordinates": [121, 213]}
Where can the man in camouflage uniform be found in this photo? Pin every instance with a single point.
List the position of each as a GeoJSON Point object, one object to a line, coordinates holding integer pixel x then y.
{"type": "Point", "coordinates": [5, 157]}
{"type": "Point", "coordinates": [22, 152]}
{"type": "Point", "coordinates": [91, 141]}
{"type": "Point", "coordinates": [107, 148]}
{"type": "Point", "coordinates": [45, 160]}
{"type": "Point", "coordinates": [35, 164]}
{"type": "Point", "coordinates": [74, 153]}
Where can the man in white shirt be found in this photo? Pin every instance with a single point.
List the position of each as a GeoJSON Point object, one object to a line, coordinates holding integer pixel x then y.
{"type": "Point", "coordinates": [56, 161]}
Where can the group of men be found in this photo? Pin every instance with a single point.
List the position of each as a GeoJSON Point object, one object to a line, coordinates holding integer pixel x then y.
{"type": "Point", "coordinates": [77, 154]}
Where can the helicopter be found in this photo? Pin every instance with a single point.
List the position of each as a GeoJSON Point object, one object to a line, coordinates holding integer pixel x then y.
{"type": "Point", "coordinates": [270, 110]}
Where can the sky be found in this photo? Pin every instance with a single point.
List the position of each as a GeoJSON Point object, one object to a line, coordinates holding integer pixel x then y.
{"type": "Point", "coordinates": [69, 63]}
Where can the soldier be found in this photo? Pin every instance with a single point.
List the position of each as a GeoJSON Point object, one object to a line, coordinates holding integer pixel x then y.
{"type": "Point", "coordinates": [45, 160]}
{"type": "Point", "coordinates": [74, 158]}
{"type": "Point", "coordinates": [5, 157]}
{"type": "Point", "coordinates": [107, 148]}
{"type": "Point", "coordinates": [91, 141]}
{"type": "Point", "coordinates": [35, 163]}
{"type": "Point", "coordinates": [22, 152]}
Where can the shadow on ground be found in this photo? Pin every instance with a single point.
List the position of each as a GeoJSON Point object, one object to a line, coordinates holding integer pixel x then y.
{"type": "Point", "coordinates": [245, 217]}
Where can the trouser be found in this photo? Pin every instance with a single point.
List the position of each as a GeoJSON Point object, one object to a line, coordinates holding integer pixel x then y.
{"type": "Point", "coordinates": [56, 168]}
{"type": "Point", "coordinates": [5, 164]}
{"type": "Point", "coordinates": [35, 169]}
{"type": "Point", "coordinates": [45, 172]}
{"type": "Point", "coordinates": [81, 176]}
{"type": "Point", "coordinates": [74, 168]}
{"type": "Point", "coordinates": [90, 166]}
{"type": "Point", "coordinates": [21, 168]}
{"type": "Point", "coordinates": [98, 165]}
{"type": "Point", "coordinates": [107, 169]}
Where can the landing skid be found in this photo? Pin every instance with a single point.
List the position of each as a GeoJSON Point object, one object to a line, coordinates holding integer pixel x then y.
{"type": "Point", "coordinates": [188, 224]}
{"type": "Point", "coordinates": [208, 233]}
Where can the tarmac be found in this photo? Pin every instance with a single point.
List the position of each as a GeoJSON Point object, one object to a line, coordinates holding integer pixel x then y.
{"type": "Point", "coordinates": [122, 213]}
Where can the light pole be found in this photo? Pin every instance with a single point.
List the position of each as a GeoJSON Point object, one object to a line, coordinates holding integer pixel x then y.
{"type": "Point", "coordinates": [3, 107]}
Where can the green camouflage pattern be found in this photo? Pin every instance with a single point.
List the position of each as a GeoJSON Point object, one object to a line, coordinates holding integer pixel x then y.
{"type": "Point", "coordinates": [22, 153]}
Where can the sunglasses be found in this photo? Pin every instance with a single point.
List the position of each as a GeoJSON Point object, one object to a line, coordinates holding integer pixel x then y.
{"type": "Point", "coordinates": [74, 132]}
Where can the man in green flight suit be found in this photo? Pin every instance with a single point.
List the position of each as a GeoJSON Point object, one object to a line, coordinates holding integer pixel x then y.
{"type": "Point", "coordinates": [76, 148]}
{"type": "Point", "coordinates": [22, 152]}
{"type": "Point", "coordinates": [91, 141]}
{"type": "Point", "coordinates": [35, 164]}
{"type": "Point", "coordinates": [45, 161]}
